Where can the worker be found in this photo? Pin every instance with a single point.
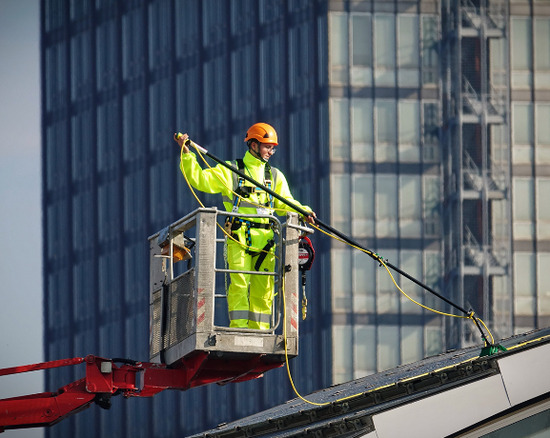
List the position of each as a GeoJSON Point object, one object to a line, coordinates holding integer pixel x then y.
{"type": "Point", "coordinates": [249, 297]}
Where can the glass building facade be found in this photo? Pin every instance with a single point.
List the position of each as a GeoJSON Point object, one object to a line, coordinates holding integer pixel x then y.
{"type": "Point", "coordinates": [419, 128]}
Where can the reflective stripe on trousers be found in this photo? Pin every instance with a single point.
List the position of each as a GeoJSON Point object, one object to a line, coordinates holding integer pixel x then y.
{"type": "Point", "coordinates": [251, 316]}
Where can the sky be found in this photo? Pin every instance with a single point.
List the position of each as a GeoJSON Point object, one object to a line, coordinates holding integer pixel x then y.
{"type": "Point", "coordinates": [20, 201]}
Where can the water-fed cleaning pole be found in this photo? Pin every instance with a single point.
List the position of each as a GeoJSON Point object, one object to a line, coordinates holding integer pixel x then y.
{"type": "Point", "coordinates": [330, 229]}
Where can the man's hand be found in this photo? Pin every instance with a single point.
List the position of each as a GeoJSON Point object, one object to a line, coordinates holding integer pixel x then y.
{"type": "Point", "coordinates": [310, 219]}
{"type": "Point", "coordinates": [180, 139]}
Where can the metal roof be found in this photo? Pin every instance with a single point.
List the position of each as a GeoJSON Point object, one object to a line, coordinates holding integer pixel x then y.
{"type": "Point", "coordinates": [435, 397]}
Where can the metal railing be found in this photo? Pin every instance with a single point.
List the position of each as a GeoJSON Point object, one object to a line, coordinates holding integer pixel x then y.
{"type": "Point", "coordinates": [188, 305]}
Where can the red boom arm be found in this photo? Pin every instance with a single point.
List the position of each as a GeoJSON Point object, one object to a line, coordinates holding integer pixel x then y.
{"type": "Point", "coordinates": [132, 379]}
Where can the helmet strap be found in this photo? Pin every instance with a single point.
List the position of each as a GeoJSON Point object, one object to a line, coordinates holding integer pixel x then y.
{"type": "Point", "coordinates": [253, 152]}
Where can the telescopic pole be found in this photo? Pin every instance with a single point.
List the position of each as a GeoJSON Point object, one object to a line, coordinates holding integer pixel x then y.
{"type": "Point", "coordinates": [329, 228]}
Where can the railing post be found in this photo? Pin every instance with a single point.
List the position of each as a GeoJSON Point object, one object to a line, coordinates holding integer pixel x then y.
{"type": "Point", "coordinates": [291, 291]}
{"type": "Point", "coordinates": [204, 270]}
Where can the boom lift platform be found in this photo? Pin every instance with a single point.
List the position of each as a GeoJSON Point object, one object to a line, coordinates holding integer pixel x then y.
{"type": "Point", "coordinates": [197, 290]}
{"type": "Point", "coordinates": [190, 342]}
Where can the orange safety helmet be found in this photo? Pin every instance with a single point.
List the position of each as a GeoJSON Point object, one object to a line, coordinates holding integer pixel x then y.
{"type": "Point", "coordinates": [262, 132]}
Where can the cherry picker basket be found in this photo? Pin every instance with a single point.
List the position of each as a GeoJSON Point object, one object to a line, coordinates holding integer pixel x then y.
{"type": "Point", "coordinates": [188, 280]}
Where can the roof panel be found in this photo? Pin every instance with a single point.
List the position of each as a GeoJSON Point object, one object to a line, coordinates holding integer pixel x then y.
{"type": "Point", "coordinates": [434, 397]}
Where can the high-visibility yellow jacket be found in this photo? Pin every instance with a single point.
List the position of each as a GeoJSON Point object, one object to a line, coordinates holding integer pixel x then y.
{"type": "Point", "coordinates": [220, 179]}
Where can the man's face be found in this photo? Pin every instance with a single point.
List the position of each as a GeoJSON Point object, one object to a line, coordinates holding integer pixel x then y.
{"type": "Point", "coordinates": [264, 150]}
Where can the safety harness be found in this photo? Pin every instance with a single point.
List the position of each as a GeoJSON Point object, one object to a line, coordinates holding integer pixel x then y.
{"type": "Point", "coordinates": [233, 223]}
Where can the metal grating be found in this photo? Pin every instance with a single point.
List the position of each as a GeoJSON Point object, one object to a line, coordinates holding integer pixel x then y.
{"type": "Point", "coordinates": [182, 312]}
{"type": "Point", "coordinates": [156, 312]}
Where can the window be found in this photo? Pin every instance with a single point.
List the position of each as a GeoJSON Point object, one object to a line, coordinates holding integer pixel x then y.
{"type": "Point", "coordinates": [362, 135]}
{"type": "Point", "coordinates": [272, 74]}
{"type": "Point", "coordinates": [543, 283]}
{"type": "Point", "coordinates": [361, 37]}
{"type": "Point", "coordinates": [161, 196]}
{"type": "Point", "coordinates": [269, 11]}
{"type": "Point", "coordinates": [362, 201]}
{"type": "Point", "coordinates": [136, 269]}
{"type": "Point", "coordinates": [412, 343]}
{"type": "Point", "coordinates": [300, 135]}
{"type": "Point", "coordinates": [384, 50]}
{"type": "Point", "coordinates": [58, 229]}
{"type": "Point", "coordinates": [160, 112]}
{"type": "Point", "coordinates": [411, 263]}
{"type": "Point", "coordinates": [524, 283]}
{"type": "Point", "coordinates": [242, 98]}
{"type": "Point", "coordinates": [160, 33]}
{"type": "Point", "coordinates": [107, 58]}
{"type": "Point", "coordinates": [108, 211]}
{"type": "Point", "coordinates": [521, 41]}
{"type": "Point", "coordinates": [529, 422]}
{"type": "Point", "coordinates": [56, 81]}
{"type": "Point", "coordinates": [410, 206]}
{"type": "Point", "coordinates": [339, 129]}
{"type": "Point", "coordinates": [522, 132]}
{"type": "Point", "coordinates": [341, 202]}
{"type": "Point", "coordinates": [364, 347]}
{"type": "Point", "coordinates": [434, 340]}
{"type": "Point", "coordinates": [432, 205]}
{"type": "Point", "coordinates": [302, 68]}
{"type": "Point", "coordinates": [83, 221]}
{"type": "Point", "coordinates": [213, 23]}
{"type": "Point", "coordinates": [388, 354]}
{"type": "Point", "coordinates": [497, 54]}
{"type": "Point", "coordinates": [542, 52]}
{"type": "Point", "coordinates": [433, 267]}
{"type": "Point", "coordinates": [523, 208]}
{"type": "Point", "coordinates": [54, 14]}
{"type": "Point", "coordinates": [83, 147]}
{"type": "Point", "coordinates": [243, 14]}
{"type": "Point", "coordinates": [338, 48]}
{"type": "Point", "coordinates": [543, 208]}
{"type": "Point", "coordinates": [364, 283]}
{"type": "Point", "coordinates": [108, 140]}
{"type": "Point", "coordinates": [430, 50]}
{"type": "Point", "coordinates": [215, 99]}
{"type": "Point", "coordinates": [188, 115]}
{"type": "Point", "coordinates": [408, 55]}
{"type": "Point", "coordinates": [342, 355]}
{"type": "Point", "coordinates": [542, 133]}
{"type": "Point", "coordinates": [109, 282]}
{"type": "Point", "coordinates": [500, 152]}
{"type": "Point", "coordinates": [430, 132]}
{"type": "Point", "coordinates": [341, 280]}
{"type": "Point", "coordinates": [361, 51]}
{"type": "Point", "coordinates": [409, 131]}
{"type": "Point", "coordinates": [58, 283]}
{"type": "Point", "coordinates": [56, 170]}
{"type": "Point", "coordinates": [500, 226]}
{"type": "Point", "coordinates": [135, 215]}
{"type": "Point", "coordinates": [387, 294]}
{"type": "Point", "coordinates": [133, 43]}
{"type": "Point", "coordinates": [385, 116]}
{"type": "Point", "coordinates": [83, 290]}
{"type": "Point", "coordinates": [386, 205]}
{"type": "Point", "coordinates": [134, 120]}
{"type": "Point", "coordinates": [81, 65]}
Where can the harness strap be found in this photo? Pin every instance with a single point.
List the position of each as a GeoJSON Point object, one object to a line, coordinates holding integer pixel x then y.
{"type": "Point", "coordinates": [270, 244]}
{"type": "Point", "coordinates": [270, 178]}
{"type": "Point", "coordinates": [252, 224]}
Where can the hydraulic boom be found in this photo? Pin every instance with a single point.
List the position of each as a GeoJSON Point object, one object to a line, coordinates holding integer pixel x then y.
{"type": "Point", "coordinates": [104, 378]}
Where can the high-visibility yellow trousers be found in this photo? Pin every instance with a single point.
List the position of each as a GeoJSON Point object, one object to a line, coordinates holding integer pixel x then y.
{"type": "Point", "coordinates": [250, 296]}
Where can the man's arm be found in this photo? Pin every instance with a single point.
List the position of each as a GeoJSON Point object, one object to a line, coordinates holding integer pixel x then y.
{"type": "Point", "coordinates": [212, 180]}
{"type": "Point", "coordinates": [283, 189]}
